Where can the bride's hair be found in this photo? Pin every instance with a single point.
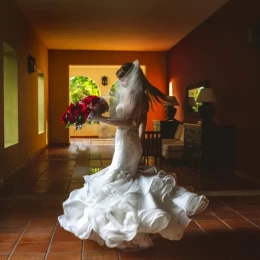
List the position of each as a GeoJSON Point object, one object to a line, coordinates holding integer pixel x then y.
{"type": "Point", "coordinates": [124, 69]}
{"type": "Point", "coordinates": [153, 94]}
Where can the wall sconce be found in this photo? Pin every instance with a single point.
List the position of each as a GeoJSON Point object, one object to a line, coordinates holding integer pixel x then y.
{"type": "Point", "coordinates": [104, 81]}
{"type": "Point", "coordinates": [170, 89]}
{"type": "Point", "coordinates": [31, 64]}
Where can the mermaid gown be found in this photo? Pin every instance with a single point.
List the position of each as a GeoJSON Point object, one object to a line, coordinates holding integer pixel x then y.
{"type": "Point", "coordinates": [121, 205]}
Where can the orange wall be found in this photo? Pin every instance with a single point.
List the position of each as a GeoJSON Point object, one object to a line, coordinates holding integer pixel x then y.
{"type": "Point", "coordinates": [15, 30]}
{"type": "Point", "coordinates": [218, 51]}
{"type": "Point", "coordinates": [59, 62]}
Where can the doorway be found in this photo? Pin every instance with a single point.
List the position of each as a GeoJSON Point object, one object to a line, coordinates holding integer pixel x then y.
{"type": "Point", "coordinates": [91, 76]}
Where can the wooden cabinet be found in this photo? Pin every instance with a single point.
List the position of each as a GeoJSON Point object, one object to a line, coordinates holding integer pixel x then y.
{"type": "Point", "coordinates": [192, 145]}
{"type": "Point", "coordinates": [206, 149]}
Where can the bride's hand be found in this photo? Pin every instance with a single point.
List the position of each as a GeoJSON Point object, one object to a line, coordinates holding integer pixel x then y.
{"type": "Point", "coordinates": [95, 114]}
{"type": "Point", "coordinates": [102, 105]}
{"type": "Point", "coordinates": [100, 108]}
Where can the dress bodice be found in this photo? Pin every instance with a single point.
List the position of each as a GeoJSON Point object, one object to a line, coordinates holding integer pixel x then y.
{"type": "Point", "coordinates": [120, 110]}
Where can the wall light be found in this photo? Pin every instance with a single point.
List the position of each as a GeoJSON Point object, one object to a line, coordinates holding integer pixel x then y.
{"type": "Point", "coordinates": [31, 64]}
{"type": "Point", "coordinates": [104, 80]}
{"type": "Point", "coordinates": [170, 89]}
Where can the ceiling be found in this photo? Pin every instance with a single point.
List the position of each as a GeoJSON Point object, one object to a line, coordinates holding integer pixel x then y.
{"type": "Point", "coordinates": [135, 25]}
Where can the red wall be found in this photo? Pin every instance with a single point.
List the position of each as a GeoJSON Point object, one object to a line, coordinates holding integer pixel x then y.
{"type": "Point", "coordinates": [218, 51]}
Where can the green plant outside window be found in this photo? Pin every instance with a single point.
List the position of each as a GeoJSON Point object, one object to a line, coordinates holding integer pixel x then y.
{"type": "Point", "coordinates": [80, 87]}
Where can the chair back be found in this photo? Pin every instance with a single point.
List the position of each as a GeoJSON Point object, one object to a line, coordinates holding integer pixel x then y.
{"type": "Point", "coordinates": [152, 146]}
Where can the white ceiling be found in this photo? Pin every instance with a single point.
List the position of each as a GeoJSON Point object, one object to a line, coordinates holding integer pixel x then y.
{"type": "Point", "coordinates": [134, 25]}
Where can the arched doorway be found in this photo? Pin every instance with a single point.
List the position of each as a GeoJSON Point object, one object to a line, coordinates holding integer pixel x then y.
{"type": "Point", "coordinates": [95, 73]}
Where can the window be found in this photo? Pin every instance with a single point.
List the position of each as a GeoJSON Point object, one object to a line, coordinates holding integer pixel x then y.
{"type": "Point", "coordinates": [81, 86]}
{"type": "Point", "coordinates": [11, 128]}
{"type": "Point", "coordinates": [40, 103]}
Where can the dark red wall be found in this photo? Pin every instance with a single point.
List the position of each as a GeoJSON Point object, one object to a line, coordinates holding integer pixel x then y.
{"type": "Point", "coordinates": [218, 51]}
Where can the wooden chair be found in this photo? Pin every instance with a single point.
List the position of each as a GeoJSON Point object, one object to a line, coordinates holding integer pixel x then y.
{"type": "Point", "coordinates": [152, 147]}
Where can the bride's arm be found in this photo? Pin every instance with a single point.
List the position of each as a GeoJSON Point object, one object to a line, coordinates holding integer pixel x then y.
{"type": "Point", "coordinates": [125, 122]}
{"type": "Point", "coordinates": [142, 127]}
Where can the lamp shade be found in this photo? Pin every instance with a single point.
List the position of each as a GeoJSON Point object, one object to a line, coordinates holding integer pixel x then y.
{"type": "Point", "coordinates": [192, 102]}
{"type": "Point", "coordinates": [206, 95]}
{"type": "Point", "coordinates": [171, 101]}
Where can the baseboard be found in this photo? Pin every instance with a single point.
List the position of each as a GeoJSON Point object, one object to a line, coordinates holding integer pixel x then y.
{"type": "Point", "coordinates": [229, 193]}
{"type": "Point", "coordinates": [247, 177]}
{"type": "Point", "coordinates": [84, 136]}
{"type": "Point", "coordinates": [58, 144]}
{"type": "Point", "coordinates": [21, 165]}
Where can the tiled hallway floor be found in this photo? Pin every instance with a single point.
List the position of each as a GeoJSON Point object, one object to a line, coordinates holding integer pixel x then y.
{"type": "Point", "coordinates": [31, 201]}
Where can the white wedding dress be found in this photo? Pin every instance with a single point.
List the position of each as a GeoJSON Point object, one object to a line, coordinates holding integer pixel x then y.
{"type": "Point", "coordinates": [120, 210]}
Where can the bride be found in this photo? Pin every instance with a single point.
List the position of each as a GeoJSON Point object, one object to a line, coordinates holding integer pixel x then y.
{"type": "Point", "coordinates": [122, 206]}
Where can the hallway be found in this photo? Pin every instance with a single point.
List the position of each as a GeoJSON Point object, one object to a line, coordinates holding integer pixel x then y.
{"type": "Point", "coordinates": [32, 199]}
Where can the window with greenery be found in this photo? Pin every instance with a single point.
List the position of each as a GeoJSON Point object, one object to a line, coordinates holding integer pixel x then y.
{"type": "Point", "coordinates": [81, 86]}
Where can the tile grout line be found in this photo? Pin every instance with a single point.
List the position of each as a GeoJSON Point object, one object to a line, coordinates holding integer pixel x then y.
{"type": "Point", "coordinates": [222, 221]}
{"type": "Point", "coordinates": [243, 216]}
{"type": "Point", "coordinates": [207, 234]}
{"type": "Point", "coordinates": [200, 227]}
{"type": "Point", "coordinates": [118, 255]}
{"type": "Point", "coordinates": [50, 242]}
{"type": "Point", "coordinates": [18, 240]}
{"type": "Point", "coordinates": [83, 250]}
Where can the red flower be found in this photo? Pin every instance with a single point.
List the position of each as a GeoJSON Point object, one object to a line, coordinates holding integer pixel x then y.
{"type": "Point", "coordinates": [78, 106]}
{"type": "Point", "coordinates": [64, 118]}
{"type": "Point", "coordinates": [85, 110]}
{"type": "Point", "coordinates": [91, 100]}
{"type": "Point", "coordinates": [72, 119]}
{"type": "Point", "coordinates": [76, 112]}
{"type": "Point", "coordinates": [71, 107]}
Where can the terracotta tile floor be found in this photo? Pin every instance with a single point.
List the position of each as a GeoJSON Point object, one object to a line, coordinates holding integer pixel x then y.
{"type": "Point", "coordinates": [31, 200]}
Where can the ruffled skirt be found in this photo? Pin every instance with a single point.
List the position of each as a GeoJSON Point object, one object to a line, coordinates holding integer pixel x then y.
{"type": "Point", "coordinates": [118, 211]}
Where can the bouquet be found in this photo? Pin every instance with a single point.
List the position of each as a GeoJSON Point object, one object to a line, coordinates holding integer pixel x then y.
{"type": "Point", "coordinates": [77, 114]}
